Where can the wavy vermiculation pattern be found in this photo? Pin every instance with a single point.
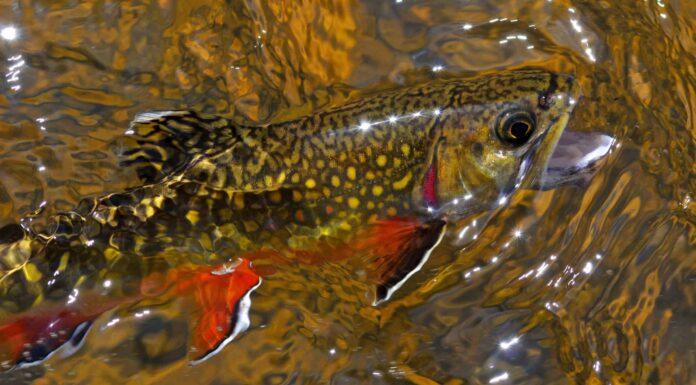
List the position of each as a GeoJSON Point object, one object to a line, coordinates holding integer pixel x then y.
{"type": "Point", "coordinates": [89, 67]}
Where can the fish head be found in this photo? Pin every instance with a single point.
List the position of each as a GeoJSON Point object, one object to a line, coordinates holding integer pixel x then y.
{"type": "Point", "coordinates": [495, 137]}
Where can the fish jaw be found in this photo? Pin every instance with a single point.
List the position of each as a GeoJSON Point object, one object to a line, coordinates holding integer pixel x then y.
{"type": "Point", "coordinates": [576, 158]}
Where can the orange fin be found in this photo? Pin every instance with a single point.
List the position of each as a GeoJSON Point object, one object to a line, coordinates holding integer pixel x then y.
{"type": "Point", "coordinates": [219, 298]}
{"type": "Point", "coordinates": [402, 247]}
{"type": "Point", "coordinates": [32, 337]}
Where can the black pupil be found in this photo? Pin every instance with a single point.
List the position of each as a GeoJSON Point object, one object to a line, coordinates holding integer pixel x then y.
{"type": "Point", "coordinates": [519, 130]}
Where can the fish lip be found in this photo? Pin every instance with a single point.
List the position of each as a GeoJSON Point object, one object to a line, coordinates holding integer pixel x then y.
{"type": "Point", "coordinates": [575, 159]}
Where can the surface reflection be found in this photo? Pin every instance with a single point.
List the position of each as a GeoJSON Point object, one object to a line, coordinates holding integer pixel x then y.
{"type": "Point", "coordinates": [9, 33]}
{"type": "Point", "coordinates": [593, 279]}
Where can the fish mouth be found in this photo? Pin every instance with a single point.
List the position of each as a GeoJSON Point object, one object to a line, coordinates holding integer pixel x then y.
{"type": "Point", "coordinates": [575, 159]}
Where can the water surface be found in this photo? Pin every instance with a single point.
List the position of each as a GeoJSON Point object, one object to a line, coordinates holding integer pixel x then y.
{"type": "Point", "coordinates": [591, 285]}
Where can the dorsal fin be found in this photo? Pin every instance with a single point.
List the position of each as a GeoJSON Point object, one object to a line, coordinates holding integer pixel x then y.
{"type": "Point", "coordinates": [160, 143]}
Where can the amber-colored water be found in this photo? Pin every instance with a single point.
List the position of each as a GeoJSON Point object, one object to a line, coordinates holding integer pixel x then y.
{"type": "Point", "coordinates": [594, 285]}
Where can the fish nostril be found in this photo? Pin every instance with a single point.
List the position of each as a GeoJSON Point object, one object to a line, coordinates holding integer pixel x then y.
{"type": "Point", "coordinates": [477, 150]}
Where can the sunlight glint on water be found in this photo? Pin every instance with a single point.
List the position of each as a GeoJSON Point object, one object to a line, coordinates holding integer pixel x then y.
{"type": "Point", "coordinates": [591, 285]}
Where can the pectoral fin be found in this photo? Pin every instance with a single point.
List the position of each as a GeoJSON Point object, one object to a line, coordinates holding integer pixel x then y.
{"type": "Point", "coordinates": [402, 247]}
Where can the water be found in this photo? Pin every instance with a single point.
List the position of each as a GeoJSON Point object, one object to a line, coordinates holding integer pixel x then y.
{"type": "Point", "coordinates": [594, 285]}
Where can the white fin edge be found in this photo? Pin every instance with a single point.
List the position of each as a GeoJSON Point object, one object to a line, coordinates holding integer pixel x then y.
{"type": "Point", "coordinates": [416, 269]}
{"type": "Point", "coordinates": [242, 325]}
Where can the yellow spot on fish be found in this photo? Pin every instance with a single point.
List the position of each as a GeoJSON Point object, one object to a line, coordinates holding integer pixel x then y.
{"type": "Point", "coordinates": [309, 153]}
{"type": "Point", "coordinates": [335, 181]}
{"type": "Point", "coordinates": [339, 199]}
{"type": "Point", "coordinates": [326, 191]}
{"type": "Point", "coordinates": [405, 149]}
{"type": "Point", "coordinates": [205, 241]}
{"type": "Point", "coordinates": [351, 173]}
{"type": "Point", "coordinates": [377, 190]}
{"type": "Point", "coordinates": [345, 226]}
{"type": "Point", "coordinates": [251, 226]}
{"type": "Point", "coordinates": [110, 254]}
{"type": "Point", "coordinates": [353, 202]}
{"type": "Point", "coordinates": [310, 183]}
{"type": "Point", "coordinates": [192, 216]}
{"type": "Point", "coordinates": [295, 178]}
{"type": "Point", "coordinates": [403, 182]}
{"type": "Point", "coordinates": [391, 211]}
{"type": "Point", "coordinates": [370, 175]}
{"type": "Point", "coordinates": [268, 180]}
{"type": "Point", "coordinates": [382, 160]}
{"type": "Point", "coordinates": [275, 196]}
{"type": "Point", "coordinates": [397, 162]}
{"type": "Point", "coordinates": [31, 272]}
{"type": "Point", "coordinates": [239, 201]}
{"type": "Point", "coordinates": [281, 178]}
{"type": "Point", "coordinates": [370, 205]}
{"type": "Point", "coordinates": [296, 196]}
{"type": "Point", "coordinates": [64, 262]}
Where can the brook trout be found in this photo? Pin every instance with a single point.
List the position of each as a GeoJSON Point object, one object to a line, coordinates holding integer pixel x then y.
{"type": "Point", "coordinates": [381, 176]}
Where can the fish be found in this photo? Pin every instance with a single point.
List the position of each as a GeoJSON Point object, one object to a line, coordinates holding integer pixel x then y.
{"type": "Point", "coordinates": [382, 177]}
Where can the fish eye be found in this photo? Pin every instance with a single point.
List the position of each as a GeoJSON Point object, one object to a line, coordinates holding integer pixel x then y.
{"type": "Point", "coordinates": [516, 127]}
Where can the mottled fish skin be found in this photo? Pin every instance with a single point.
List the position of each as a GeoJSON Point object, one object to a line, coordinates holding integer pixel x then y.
{"type": "Point", "coordinates": [239, 188]}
